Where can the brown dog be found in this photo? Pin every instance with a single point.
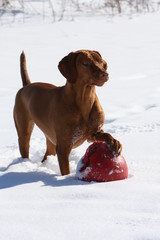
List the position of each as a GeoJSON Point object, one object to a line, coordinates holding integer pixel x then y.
{"type": "Point", "coordinates": [67, 115]}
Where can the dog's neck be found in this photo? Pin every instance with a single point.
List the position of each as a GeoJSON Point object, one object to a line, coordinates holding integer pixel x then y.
{"type": "Point", "coordinates": [83, 95]}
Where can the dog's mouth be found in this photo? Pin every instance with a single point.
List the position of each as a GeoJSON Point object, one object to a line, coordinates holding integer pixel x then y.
{"type": "Point", "coordinates": [101, 82]}
{"type": "Point", "coordinates": [103, 78]}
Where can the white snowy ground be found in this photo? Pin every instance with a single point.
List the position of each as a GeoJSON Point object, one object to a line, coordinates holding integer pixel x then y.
{"type": "Point", "coordinates": [35, 201]}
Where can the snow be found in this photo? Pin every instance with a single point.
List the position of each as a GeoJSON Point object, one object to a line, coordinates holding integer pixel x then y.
{"type": "Point", "coordinates": [36, 202]}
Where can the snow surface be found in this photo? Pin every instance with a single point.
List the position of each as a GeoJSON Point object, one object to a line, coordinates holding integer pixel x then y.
{"type": "Point", "coordinates": [36, 202]}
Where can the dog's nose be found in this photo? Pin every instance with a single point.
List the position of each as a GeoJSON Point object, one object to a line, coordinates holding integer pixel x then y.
{"type": "Point", "coordinates": [104, 75]}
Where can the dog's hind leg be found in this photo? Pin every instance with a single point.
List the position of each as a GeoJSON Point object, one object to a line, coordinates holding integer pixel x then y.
{"type": "Point", "coordinates": [24, 126]}
{"type": "Point", "coordinates": [51, 149]}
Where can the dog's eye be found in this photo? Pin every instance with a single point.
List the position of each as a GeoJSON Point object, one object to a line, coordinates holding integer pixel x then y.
{"type": "Point", "coordinates": [85, 64]}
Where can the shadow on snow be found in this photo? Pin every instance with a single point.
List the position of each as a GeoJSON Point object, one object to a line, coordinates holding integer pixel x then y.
{"type": "Point", "coordinates": [12, 179]}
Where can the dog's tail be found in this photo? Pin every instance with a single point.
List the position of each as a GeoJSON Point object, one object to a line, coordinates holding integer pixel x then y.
{"type": "Point", "coordinates": [23, 69]}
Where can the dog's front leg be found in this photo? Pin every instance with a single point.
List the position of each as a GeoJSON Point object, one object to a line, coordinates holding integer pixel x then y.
{"type": "Point", "coordinates": [63, 158]}
{"type": "Point", "coordinates": [113, 144]}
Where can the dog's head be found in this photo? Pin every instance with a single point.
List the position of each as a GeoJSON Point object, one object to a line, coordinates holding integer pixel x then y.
{"type": "Point", "coordinates": [85, 65]}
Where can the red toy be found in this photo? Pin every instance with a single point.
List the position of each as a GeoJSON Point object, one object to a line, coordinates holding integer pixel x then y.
{"type": "Point", "coordinates": [100, 165]}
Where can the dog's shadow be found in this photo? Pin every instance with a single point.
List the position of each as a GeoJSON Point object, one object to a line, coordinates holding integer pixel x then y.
{"type": "Point", "coordinates": [12, 179]}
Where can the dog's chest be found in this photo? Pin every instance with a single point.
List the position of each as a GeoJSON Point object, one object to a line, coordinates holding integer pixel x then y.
{"type": "Point", "coordinates": [84, 127]}
{"type": "Point", "coordinates": [77, 135]}
{"type": "Point", "coordinates": [83, 131]}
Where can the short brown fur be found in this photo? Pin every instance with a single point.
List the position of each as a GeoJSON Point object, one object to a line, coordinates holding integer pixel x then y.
{"type": "Point", "coordinates": [67, 115]}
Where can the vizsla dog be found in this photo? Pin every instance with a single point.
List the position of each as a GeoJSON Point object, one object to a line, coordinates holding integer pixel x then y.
{"type": "Point", "coordinates": [67, 115]}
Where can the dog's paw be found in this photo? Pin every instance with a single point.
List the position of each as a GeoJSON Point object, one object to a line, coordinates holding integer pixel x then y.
{"type": "Point", "coordinates": [115, 147]}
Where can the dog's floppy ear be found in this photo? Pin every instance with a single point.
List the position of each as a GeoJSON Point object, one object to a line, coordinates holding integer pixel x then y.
{"type": "Point", "coordinates": [67, 66]}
